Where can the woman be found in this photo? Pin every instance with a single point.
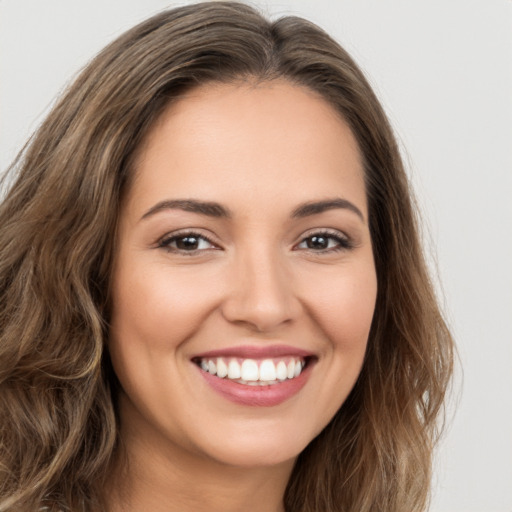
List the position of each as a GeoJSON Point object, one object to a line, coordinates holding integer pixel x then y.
{"type": "Point", "coordinates": [212, 289]}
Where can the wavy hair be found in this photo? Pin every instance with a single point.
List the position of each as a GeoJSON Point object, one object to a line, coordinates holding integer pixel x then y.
{"type": "Point", "coordinates": [58, 424]}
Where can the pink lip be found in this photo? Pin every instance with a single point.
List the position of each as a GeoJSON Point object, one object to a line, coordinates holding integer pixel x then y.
{"type": "Point", "coordinates": [254, 352]}
{"type": "Point", "coordinates": [257, 396]}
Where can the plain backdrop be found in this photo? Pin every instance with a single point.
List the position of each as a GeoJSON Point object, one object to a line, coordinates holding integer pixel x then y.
{"type": "Point", "coordinates": [443, 70]}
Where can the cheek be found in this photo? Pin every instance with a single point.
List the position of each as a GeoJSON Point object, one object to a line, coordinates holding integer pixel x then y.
{"type": "Point", "coordinates": [159, 308]}
{"type": "Point", "coordinates": [343, 305]}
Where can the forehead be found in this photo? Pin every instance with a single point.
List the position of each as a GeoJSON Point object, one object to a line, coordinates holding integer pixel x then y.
{"type": "Point", "coordinates": [275, 140]}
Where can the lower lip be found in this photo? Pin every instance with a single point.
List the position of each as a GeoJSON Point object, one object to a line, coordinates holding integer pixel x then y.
{"type": "Point", "coordinates": [257, 396]}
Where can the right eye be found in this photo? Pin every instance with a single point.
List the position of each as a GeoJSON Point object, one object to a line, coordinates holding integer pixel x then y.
{"type": "Point", "coordinates": [190, 243]}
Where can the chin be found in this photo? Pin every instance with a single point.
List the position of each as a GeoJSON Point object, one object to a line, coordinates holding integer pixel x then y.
{"type": "Point", "coordinates": [255, 456]}
{"type": "Point", "coordinates": [265, 448]}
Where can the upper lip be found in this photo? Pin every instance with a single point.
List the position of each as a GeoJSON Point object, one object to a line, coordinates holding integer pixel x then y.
{"type": "Point", "coordinates": [256, 352]}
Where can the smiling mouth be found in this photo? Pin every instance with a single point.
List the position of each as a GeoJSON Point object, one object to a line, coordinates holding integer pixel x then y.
{"type": "Point", "coordinates": [254, 372]}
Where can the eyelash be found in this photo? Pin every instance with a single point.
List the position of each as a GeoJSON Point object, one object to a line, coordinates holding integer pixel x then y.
{"type": "Point", "coordinates": [166, 241]}
{"type": "Point", "coordinates": [342, 241]}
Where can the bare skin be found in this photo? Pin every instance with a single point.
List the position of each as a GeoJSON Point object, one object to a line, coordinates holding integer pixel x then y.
{"type": "Point", "coordinates": [245, 229]}
{"type": "Point", "coordinates": [175, 481]}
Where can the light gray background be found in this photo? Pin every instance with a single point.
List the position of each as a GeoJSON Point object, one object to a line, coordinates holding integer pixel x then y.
{"type": "Point", "coordinates": [443, 69]}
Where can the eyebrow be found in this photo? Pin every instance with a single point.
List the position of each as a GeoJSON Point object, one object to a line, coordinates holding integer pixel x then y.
{"type": "Point", "coordinates": [213, 209]}
{"type": "Point", "coordinates": [315, 207]}
{"type": "Point", "coordinates": [208, 208]}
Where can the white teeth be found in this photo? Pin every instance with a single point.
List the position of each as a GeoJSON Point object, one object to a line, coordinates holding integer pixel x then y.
{"type": "Point", "coordinates": [291, 369]}
{"type": "Point", "coordinates": [267, 370]}
{"type": "Point", "coordinates": [281, 371]}
{"type": "Point", "coordinates": [234, 370]}
{"type": "Point", "coordinates": [222, 369]}
{"type": "Point", "coordinates": [250, 370]}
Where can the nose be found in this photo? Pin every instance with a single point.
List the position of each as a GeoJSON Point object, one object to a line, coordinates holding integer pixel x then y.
{"type": "Point", "coordinates": [261, 295]}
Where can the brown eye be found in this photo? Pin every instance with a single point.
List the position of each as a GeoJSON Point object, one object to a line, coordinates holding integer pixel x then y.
{"type": "Point", "coordinates": [325, 242]}
{"type": "Point", "coordinates": [188, 242]}
{"type": "Point", "coordinates": [317, 242]}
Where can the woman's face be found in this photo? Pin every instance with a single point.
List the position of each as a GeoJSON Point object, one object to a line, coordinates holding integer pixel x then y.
{"type": "Point", "coordinates": [244, 284]}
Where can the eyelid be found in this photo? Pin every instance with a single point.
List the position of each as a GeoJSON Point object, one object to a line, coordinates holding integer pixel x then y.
{"type": "Point", "coordinates": [164, 241]}
{"type": "Point", "coordinates": [345, 241]}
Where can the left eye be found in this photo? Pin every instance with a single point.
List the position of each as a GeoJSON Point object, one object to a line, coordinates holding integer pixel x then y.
{"type": "Point", "coordinates": [324, 242]}
{"type": "Point", "coordinates": [188, 242]}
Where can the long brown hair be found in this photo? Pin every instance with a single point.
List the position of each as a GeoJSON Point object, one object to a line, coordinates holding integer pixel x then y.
{"type": "Point", "coordinates": [58, 427]}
